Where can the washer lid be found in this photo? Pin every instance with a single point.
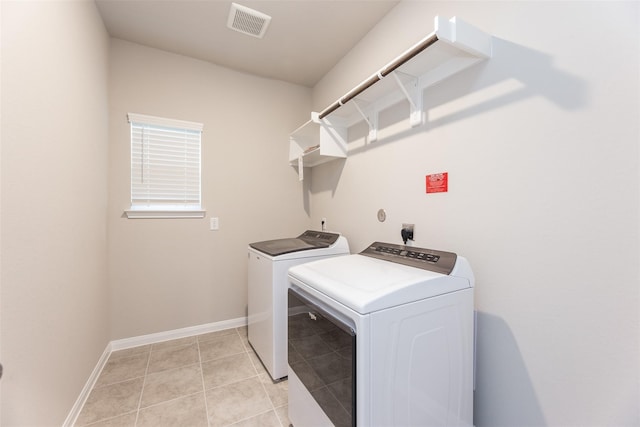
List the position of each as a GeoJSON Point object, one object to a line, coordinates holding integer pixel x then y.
{"type": "Point", "coordinates": [366, 284]}
{"type": "Point", "coordinates": [308, 240]}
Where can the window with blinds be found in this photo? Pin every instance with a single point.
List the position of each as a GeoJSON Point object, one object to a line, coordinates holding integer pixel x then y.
{"type": "Point", "coordinates": [165, 167]}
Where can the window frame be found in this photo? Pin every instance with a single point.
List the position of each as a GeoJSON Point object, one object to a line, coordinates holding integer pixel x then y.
{"type": "Point", "coordinates": [164, 210]}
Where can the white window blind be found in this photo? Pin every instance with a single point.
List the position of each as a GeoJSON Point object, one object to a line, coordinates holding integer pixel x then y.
{"type": "Point", "coordinates": [165, 166]}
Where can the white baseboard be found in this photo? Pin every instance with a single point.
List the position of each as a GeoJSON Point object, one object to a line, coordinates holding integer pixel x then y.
{"type": "Point", "coordinates": [177, 333]}
{"type": "Point", "coordinates": [84, 394]}
{"type": "Point", "coordinates": [143, 340]}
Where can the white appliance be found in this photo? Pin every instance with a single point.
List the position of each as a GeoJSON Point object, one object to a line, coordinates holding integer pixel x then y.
{"type": "Point", "coordinates": [382, 338]}
{"type": "Point", "coordinates": [267, 290]}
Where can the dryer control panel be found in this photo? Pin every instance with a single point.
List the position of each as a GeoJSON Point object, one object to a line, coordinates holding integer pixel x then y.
{"type": "Point", "coordinates": [426, 259]}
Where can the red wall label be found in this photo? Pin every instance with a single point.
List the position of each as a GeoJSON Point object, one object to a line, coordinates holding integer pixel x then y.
{"type": "Point", "coordinates": [438, 182]}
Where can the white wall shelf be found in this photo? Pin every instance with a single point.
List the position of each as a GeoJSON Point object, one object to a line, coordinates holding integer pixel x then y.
{"type": "Point", "coordinates": [316, 142]}
{"type": "Point", "coordinates": [454, 46]}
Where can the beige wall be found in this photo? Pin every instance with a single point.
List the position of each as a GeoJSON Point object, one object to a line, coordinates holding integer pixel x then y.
{"type": "Point", "coordinates": [167, 274]}
{"type": "Point", "coordinates": [541, 146]}
{"type": "Point", "coordinates": [54, 192]}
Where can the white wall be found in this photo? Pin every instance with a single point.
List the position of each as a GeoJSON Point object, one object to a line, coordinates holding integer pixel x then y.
{"type": "Point", "coordinates": [54, 193]}
{"type": "Point", "coordinates": [167, 274]}
{"type": "Point", "coordinates": [541, 147]}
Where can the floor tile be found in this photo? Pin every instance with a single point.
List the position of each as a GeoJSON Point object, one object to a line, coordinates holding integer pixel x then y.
{"type": "Point", "coordinates": [174, 343]}
{"type": "Point", "coordinates": [227, 370]}
{"type": "Point", "coordinates": [244, 334]}
{"type": "Point", "coordinates": [283, 415]}
{"type": "Point", "coordinates": [110, 401]}
{"type": "Point", "coordinates": [128, 352]}
{"type": "Point", "coordinates": [211, 335]}
{"type": "Point", "coordinates": [236, 402]}
{"type": "Point", "coordinates": [185, 411]}
{"type": "Point", "coordinates": [119, 369]}
{"type": "Point", "coordinates": [127, 420]}
{"type": "Point", "coordinates": [162, 385]}
{"type": "Point", "coordinates": [221, 346]}
{"type": "Point", "coordinates": [267, 419]}
{"type": "Point", "coordinates": [278, 392]}
{"type": "Point", "coordinates": [257, 363]}
{"type": "Point", "coordinates": [171, 384]}
{"type": "Point", "coordinates": [172, 357]}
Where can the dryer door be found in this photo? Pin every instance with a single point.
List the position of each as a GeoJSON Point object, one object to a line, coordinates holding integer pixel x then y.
{"type": "Point", "coordinates": [322, 354]}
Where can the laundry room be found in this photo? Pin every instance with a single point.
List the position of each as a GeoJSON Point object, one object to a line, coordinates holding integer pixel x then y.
{"type": "Point", "coordinates": [520, 157]}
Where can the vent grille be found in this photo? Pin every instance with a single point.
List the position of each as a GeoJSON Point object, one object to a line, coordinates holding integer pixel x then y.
{"type": "Point", "coordinates": [248, 21]}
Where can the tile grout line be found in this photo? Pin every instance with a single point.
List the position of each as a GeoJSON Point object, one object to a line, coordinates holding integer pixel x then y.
{"type": "Point", "coordinates": [144, 381]}
{"type": "Point", "coordinates": [248, 350]}
{"type": "Point", "coordinates": [173, 399]}
{"type": "Point", "coordinates": [273, 408]}
{"type": "Point", "coordinates": [252, 416]}
{"type": "Point", "coordinates": [204, 388]}
{"type": "Point", "coordinates": [103, 420]}
{"type": "Point", "coordinates": [264, 388]}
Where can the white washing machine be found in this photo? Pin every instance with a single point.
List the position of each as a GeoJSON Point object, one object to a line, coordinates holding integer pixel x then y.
{"type": "Point", "coordinates": [267, 290]}
{"type": "Point", "coordinates": [382, 338]}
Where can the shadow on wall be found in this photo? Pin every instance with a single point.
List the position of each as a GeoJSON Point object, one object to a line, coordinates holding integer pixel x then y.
{"type": "Point", "coordinates": [513, 74]}
{"type": "Point", "coordinates": [504, 395]}
{"type": "Point", "coordinates": [333, 173]}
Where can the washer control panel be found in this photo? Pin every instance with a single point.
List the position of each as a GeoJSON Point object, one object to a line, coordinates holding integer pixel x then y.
{"type": "Point", "coordinates": [319, 238]}
{"type": "Point", "coordinates": [426, 259]}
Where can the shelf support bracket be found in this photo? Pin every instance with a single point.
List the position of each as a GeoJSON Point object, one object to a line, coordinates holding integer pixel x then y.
{"type": "Point", "coordinates": [300, 168]}
{"type": "Point", "coordinates": [371, 119]}
{"type": "Point", "coordinates": [413, 93]}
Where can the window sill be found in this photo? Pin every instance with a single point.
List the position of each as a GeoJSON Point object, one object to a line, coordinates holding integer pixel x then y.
{"type": "Point", "coordinates": [158, 213]}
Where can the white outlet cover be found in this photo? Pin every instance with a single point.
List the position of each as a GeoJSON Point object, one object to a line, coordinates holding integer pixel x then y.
{"type": "Point", "coordinates": [214, 223]}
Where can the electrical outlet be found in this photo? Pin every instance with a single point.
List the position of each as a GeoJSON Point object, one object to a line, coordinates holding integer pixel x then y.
{"type": "Point", "coordinates": [214, 223]}
{"type": "Point", "coordinates": [407, 232]}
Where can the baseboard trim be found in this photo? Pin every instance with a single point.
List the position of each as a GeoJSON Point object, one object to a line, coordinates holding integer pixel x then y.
{"type": "Point", "coordinates": [84, 394]}
{"type": "Point", "coordinates": [177, 333]}
{"type": "Point", "coordinates": [125, 343]}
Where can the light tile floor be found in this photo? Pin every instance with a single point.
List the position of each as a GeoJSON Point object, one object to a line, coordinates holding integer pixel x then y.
{"type": "Point", "coordinates": [209, 380]}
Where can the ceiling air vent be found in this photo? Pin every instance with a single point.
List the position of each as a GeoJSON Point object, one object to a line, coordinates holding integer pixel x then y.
{"type": "Point", "coordinates": [248, 21]}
